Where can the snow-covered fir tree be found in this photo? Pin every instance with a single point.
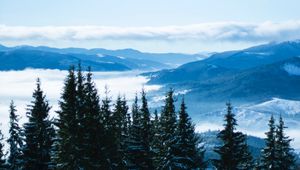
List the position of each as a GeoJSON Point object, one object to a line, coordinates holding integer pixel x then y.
{"type": "Point", "coordinates": [145, 129]}
{"type": "Point", "coordinates": [285, 157]}
{"type": "Point", "coordinates": [136, 151]}
{"type": "Point", "coordinates": [168, 125]}
{"type": "Point", "coordinates": [155, 141]}
{"type": "Point", "coordinates": [268, 158]}
{"type": "Point", "coordinates": [38, 132]}
{"type": "Point", "coordinates": [120, 130]}
{"type": "Point", "coordinates": [79, 120]}
{"type": "Point", "coordinates": [110, 139]}
{"type": "Point", "coordinates": [93, 136]}
{"type": "Point", "coordinates": [15, 139]}
{"type": "Point", "coordinates": [233, 153]}
{"type": "Point", "coordinates": [67, 156]}
{"type": "Point", "coordinates": [188, 151]}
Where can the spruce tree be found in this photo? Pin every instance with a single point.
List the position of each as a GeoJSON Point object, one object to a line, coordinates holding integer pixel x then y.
{"type": "Point", "coordinates": [67, 156]}
{"type": "Point", "coordinates": [168, 124]}
{"type": "Point", "coordinates": [15, 139]}
{"type": "Point", "coordinates": [80, 115]}
{"type": "Point", "coordinates": [285, 158]}
{"type": "Point", "coordinates": [188, 153]}
{"type": "Point", "coordinates": [269, 160]}
{"type": "Point", "coordinates": [155, 139]}
{"type": "Point", "coordinates": [3, 164]}
{"type": "Point", "coordinates": [120, 129]}
{"type": "Point", "coordinates": [246, 158]}
{"type": "Point", "coordinates": [233, 153]}
{"type": "Point", "coordinates": [136, 150]}
{"type": "Point", "coordinates": [125, 132]}
{"type": "Point", "coordinates": [110, 142]}
{"type": "Point", "coordinates": [93, 143]}
{"type": "Point", "coordinates": [38, 132]}
{"type": "Point", "coordinates": [126, 122]}
{"type": "Point", "coordinates": [145, 129]}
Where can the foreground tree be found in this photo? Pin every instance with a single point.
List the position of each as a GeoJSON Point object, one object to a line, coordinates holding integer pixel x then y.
{"type": "Point", "coordinates": [93, 131]}
{"type": "Point", "coordinates": [15, 140]}
{"type": "Point", "coordinates": [110, 141]}
{"type": "Point", "coordinates": [145, 129]}
{"type": "Point", "coordinates": [285, 158]}
{"type": "Point", "coordinates": [39, 133]}
{"type": "Point", "coordinates": [136, 151]}
{"type": "Point", "coordinates": [80, 111]}
{"type": "Point", "coordinates": [67, 156]}
{"type": "Point", "coordinates": [188, 152]}
{"type": "Point", "coordinates": [233, 152]}
{"type": "Point", "coordinates": [268, 158]}
{"type": "Point", "coordinates": [168, 124]}
{"type": "Point", "coordinates": [119, 129]}
{"type": "Point", "coordinates": [155, 139]}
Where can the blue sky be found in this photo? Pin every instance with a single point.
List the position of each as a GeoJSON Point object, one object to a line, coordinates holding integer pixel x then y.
{"type": "Point", "coordinates": [158, 25]}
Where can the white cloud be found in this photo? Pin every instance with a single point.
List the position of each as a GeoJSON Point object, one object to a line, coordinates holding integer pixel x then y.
{"type": "Point", "coordinates": [222, 31]}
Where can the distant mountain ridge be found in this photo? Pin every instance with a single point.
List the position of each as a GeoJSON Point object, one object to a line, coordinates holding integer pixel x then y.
{"type": "Point", "coordinates": [256, 56]}
{"type": "Point", "coordinates": [22, 59]}
{"type": "Point", "coordinates": [100, 59]}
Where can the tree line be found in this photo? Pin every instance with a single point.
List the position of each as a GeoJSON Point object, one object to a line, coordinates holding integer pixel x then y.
{"type": "Point", "coordinates": [93, 133]}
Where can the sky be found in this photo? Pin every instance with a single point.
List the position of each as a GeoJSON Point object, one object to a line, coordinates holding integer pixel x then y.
{"type": "Point", "coordinates": [189, 26]}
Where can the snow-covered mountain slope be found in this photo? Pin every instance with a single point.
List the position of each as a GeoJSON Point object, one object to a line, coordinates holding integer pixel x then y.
{"type": "Point", "coordinates": [257, 115]}
{"type": "Point", "coordinates": [276, 105]}
{"type": "Point", "coordinates": [253, 119]}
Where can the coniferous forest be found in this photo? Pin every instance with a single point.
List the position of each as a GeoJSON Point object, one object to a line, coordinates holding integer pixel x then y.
{"type": "Point", "coordinates": [90, 133]}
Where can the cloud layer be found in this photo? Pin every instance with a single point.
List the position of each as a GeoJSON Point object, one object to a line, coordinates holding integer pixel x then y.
{"type": "Point", "coordinates": [222, 31]}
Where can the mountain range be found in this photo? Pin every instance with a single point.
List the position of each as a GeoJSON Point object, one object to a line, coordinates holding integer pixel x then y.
{"type": "Point", "coordinates": [21, 57]}
{"type": "Point", "coordinates": [255, 74]}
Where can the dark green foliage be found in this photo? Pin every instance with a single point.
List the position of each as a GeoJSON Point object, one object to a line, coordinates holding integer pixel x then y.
{"type": "Point", "coordinates": [168, 116]}
{"type": "Point", "coordinates": [110, 141]}
{"type": "Point", "coordinates": [93, 128]}
{"type": "Point", "coordinates": [136, 151]}
{"type": "Point", "coordinates": [145, 130]}
{"type": "Point", "coordinates": [277, 154]}
{"type": "Point", "coordinates": [233, 152]}
{"type": "Point", "coordinates": [155, 141]}
{"type": "Point", "coordinates": [79, 120]}
{"type": "Point", "coordinates": [188, 151]}
{"type": "Point", "coordinates": [15, 140]}
{"type": "Point", "coordinates": [67, 156]}
{"type": "Point", "coordinates": [168, 124]}
{"type": "Point", "coordinates": [38, 132]}
{"type": "Point", "coordinates": [269, 152]}
{"type": "Point", "coordinates": [284, 153]}
{"type": "Point", "coordinates": [120, 130]}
